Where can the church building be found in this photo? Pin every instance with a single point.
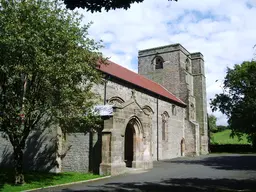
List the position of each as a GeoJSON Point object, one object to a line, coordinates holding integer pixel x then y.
{"type": "Point", "coordinates": [159, 113]}
{"type": "Point", "coordinates": [156, 114]}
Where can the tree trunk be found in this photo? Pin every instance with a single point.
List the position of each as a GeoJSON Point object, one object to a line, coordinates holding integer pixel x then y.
{"type": "Point", "coordinates": [18, 159]}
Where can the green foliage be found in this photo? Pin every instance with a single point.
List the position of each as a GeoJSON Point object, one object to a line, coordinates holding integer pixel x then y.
{"type": "Point", "coordinates": [238, 101]}
{"type": "Point", "coordinates": [97, 5]}
{"type": "Point", "coordinates": [47, 68]}
{"type": "Point", "coordinates": [40, 180]}
{"type": "Point", "coordinates": [212, 123]}
{"type": "Point", "coordinates": [222, 128]}
{"type": "Point", "coordinates": [224, 137]}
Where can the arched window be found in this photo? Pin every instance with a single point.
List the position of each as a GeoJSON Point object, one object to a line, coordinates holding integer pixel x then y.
{"type": "Point", "coordinates": [187, 64]}
{"type": "Point", "coordinates": [165, 117]}
{"type": "Point", "coordinates": [163, 129]}
{"type": "Point", "coordinates": [187, 67]}
{"type": "Point", "coordinates": [159, 62]}
{"type": "Point", "coordinates": [174, 110]}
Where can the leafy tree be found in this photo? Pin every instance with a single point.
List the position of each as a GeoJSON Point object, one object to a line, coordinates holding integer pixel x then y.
{"type": "Point", "coordinates": [97, 5]}
{"type": "Point", "coordinates": [222, 127]}
{"type": "Point", "coordinates": [212, 123]}
{"type": "Point", "coordinates": [47, 69]}
{"type": "Point", "coordinates": [238, 101]}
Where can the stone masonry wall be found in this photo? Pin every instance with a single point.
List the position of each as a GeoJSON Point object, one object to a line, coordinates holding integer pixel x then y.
{"type": "Point", "coordinates": [200, 95]}
{"type": "Point", "coordinates": [171, 146]}
{"type": "Point", "coordinates": [5, 153]}
{"type": "Point", "coordinates": [40, 151]}
{"type": "Point", "coordinates": [169, 75]}
{"type": "Point", "coordinates": [175, 122]}
{"type": "Point", "coordinates": [77, 157]}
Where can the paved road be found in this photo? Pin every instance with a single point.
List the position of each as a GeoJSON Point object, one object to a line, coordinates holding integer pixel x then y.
{"type": "Point", "coordinates": [204, 173]}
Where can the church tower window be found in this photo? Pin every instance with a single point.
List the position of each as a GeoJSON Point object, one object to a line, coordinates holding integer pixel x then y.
{"type": "Point", "coordinates": [187, 64]}
{"type": "Point", "coordinates": [159, 62]}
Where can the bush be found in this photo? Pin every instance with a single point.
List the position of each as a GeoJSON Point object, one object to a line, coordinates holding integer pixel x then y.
{"type": "Point", "coordinates": [231, 148]}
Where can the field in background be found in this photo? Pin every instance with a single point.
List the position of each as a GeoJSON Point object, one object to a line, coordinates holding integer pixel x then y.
{"type": "Point", "coordinates": [223, 137]}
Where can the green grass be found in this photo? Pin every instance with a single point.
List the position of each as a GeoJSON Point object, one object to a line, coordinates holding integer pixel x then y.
{"type": "Point", "coordinates": [39, 180]}
{"type": "Point", "coordinates": [224, 138]}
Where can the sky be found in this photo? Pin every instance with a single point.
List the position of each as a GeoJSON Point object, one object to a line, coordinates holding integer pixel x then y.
{"type": "Point", "coordinates": [224, 31]}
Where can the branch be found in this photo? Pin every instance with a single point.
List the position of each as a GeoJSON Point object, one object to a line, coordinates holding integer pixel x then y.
{"type": "Point", "coordinates": [38, 117]}
{"type": "Point", "coordinates": [25, 134]}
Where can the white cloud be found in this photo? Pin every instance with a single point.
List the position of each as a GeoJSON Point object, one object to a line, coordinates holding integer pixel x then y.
{"type": "Point", "coordinates": [108, 37]}
{"type": "Point", "coordinates": [222, 30]}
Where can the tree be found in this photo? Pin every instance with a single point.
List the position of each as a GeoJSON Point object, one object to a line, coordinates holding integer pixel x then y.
{"type": "Point", "coordinates": [212, 127]}
{"type": "Point", "coordinates": [47, 69]}
{"type": "Point", "coordinates": [238, 101]}
{"type": "Point", "coordinates": [97, 5]}
{"type": "Point", "coordinates": [212, 123]}
{"type": "Point", "coordinates": [222, 128]}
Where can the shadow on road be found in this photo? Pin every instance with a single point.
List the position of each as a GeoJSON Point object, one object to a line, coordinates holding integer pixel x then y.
{"type": "Point", "coordinates": [178, 185]}
{"type": "Point", "coordinates": [245, 162]}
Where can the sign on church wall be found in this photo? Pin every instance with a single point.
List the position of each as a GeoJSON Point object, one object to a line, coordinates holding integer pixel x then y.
{"type": "Point", "coordinates": [104, 110]}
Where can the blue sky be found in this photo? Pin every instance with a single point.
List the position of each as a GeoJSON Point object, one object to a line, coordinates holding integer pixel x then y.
{"type": "Point", "coordinates": [224, 31]}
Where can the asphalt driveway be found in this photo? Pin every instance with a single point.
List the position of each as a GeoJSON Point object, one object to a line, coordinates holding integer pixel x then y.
{"type": "Point", "coordinates": [227, 172]}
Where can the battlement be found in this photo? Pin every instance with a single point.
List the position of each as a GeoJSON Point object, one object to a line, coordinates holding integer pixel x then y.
{"type": "Point", "coordinates": [163, 49]}
{"type": "Point", "coordinates": [197, 55]}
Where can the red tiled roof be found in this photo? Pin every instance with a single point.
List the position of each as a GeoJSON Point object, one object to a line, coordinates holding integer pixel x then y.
{"type": "Point", "coordinates": [136, 79]}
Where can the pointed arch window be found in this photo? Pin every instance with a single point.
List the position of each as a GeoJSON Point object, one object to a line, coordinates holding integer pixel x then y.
{"type": "Point", "coordinates": [174, 112]}
{"type": "Point", "coordinates": [163, 129]}
{"type": "Point", "coordinates": [159, 62]}
{"type": "Point", "coordinates": [165, 117]}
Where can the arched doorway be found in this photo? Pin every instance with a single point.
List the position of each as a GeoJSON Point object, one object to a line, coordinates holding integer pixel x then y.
{"type": "Point", "coordinates": [129, 145]}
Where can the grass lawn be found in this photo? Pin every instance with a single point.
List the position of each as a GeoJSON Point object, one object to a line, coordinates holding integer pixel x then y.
{"type": "Point", "coordinates": [224, 138]}
{"type": "Point", "coordinates": [38, 180]}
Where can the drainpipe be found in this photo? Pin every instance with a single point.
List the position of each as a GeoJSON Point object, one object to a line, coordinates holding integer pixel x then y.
{"type": "Point", "coordinates": [157, 137]}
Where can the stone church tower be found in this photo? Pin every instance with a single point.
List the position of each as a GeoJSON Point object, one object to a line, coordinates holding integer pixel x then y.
{"type": "Point", "coordinates": [181, 73]}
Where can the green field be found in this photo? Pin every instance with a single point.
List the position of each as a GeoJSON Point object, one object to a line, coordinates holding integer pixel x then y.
{"type": "Point", "coordinates": [223, 137]}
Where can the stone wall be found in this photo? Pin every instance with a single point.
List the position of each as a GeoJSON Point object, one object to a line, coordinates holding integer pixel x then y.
{"type": "Point", "coordinates": [200, 95]}
{"type": "Point", "coordinates": [169, 148]}
{"type": "Point", "coordinates": [169, 76]}
{"type": "Point", "coordinates": [76, 152]}
{"type": "Point", "coordinates": [5, 153]}
{"type": "Point", "coordinates": [40, 152]}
